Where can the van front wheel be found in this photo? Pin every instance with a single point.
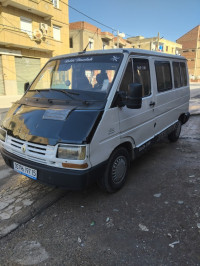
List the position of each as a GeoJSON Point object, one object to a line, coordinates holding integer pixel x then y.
{"type": "Point", "coordinates": [174, 135]}
{"type": "Point", "coordinates": [116, 171]}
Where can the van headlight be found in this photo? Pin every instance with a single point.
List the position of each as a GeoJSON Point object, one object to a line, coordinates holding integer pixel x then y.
{"type": "Point", "coordinates": [71, 152]}
{"type": "Point", "coordinates": [3, 134]}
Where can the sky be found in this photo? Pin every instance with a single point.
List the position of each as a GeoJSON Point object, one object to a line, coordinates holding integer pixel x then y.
{"type": "Point", "coordinates": [171, 18]}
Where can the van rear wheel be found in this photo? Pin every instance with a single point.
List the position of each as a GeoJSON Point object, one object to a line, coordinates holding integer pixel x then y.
{"type": "Point", "coordinates": [174, 135]}
{"type": "Point", "coordinates": [116, 171]}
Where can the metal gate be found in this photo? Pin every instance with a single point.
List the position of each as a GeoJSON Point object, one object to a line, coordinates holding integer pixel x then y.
{"type": "Point", "coordinates": [2, 88]}
{"type": "Point", "coordinates": [26, 70]}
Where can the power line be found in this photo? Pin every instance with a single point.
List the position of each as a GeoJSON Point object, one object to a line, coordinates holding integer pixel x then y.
{"type": "Point", "coordinates": [104, 25]}
{"type": "Point", "coordinates": [91, 18]}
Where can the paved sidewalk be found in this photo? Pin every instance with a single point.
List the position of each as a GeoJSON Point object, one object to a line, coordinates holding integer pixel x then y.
{"type": "Point", "coordinates": [21, 199]}
{"type": "Point", "coordinates": [7, 101]}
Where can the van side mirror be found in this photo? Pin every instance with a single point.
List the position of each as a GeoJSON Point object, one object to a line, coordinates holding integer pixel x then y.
{"type": "Point", "coordinates": [134, 96]}
{"type": "Point", "coordinates": [26, 86]}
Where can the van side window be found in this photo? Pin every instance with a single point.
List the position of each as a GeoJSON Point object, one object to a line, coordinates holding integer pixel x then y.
{"type": "Point", "coordinates": [163, 75]}
{"type": "Point", "coordinates": [142, 75]}
{"type": "Point", "coordinates": [177, 75]}
{"type": "Point", "coordinates": [183, 74]}
{"type": "Point", "coordinates": [128, 77]}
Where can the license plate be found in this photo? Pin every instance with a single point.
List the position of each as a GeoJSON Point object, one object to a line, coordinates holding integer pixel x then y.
{"type": "Point", "coordinates": [24, 170]}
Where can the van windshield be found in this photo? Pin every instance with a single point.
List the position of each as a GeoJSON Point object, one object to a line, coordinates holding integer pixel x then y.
{"type": "Point", "coordinates": [79, 75]}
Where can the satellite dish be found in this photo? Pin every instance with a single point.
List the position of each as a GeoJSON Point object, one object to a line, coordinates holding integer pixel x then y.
{"type": "Point", "coordinates": [121, 34]}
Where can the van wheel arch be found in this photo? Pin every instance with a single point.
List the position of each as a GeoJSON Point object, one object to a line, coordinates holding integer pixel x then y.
{"type": "Point", "coordinates": [175, 134]}
{"type": "Point", "coordinates": [117, 169]}
{"type": "Point", "coordinates": [183, 118]}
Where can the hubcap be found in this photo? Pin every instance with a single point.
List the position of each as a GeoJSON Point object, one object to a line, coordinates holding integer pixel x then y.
{"type": "Point", "coordinates": [119, 169]}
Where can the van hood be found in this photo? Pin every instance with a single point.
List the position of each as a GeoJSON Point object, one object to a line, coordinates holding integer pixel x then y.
{"type": "Point", "coordinates": [51, 125]}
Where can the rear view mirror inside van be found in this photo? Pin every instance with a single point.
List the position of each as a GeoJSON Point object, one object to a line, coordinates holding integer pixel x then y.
{"type": "Point", "coordinates": [26, 86]}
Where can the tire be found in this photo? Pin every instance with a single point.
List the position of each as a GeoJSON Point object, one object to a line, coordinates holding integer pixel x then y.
{"type": "Point", "coordinates": [174, 135]}
{"type": "Point", "coordinates": [116, 171]}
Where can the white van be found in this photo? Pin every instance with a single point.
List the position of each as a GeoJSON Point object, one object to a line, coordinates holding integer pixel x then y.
{"type": "Point", "coordinates": [86, 116]}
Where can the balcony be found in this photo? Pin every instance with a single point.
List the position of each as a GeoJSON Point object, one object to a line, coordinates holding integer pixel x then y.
{"type": "Point", "coordinates": [107, 36]}
{"type": "Point", "coordinates": [120, 42]}
{"type": "Point", "coordinates": [42, 8]}
{"type": "Point", "coordinates": [15, 38]}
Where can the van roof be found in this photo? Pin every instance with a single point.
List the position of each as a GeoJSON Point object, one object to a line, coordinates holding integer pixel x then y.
{"type": "Point", "coordinates": [130, 51]}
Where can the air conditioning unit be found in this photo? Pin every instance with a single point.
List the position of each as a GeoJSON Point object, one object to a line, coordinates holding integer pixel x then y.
{"type": "Point", "coordinates": [44, 28]}
{"type": "Point", "coordinates": [37, 34]}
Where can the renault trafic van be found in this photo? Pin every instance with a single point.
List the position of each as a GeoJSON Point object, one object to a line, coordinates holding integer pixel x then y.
{"type": "Point", "coordinates": [86, 116]}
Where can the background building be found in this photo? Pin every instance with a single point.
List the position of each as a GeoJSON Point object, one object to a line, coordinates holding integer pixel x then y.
{"type": "Point", "coordinates": [83, 34]}
{"type": "Point", "coordinates": [31, 32]}
{"type": "Point", "coordinates": [155, 44]}
{"type": "Point", "coordinates": [191, 50]}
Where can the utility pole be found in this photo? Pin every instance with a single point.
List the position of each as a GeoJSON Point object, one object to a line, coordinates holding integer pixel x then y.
{"type": "Point", "coordinates": [158, 39]}
{"type": "Point", "coordinates": [117, 39]}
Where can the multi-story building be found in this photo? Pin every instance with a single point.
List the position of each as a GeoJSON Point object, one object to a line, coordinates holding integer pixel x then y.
{"type": "Point", "coordinates": [84, 35]}
{"type": "Point", "coordinates": [31, 32]}
{"type": "Point", "coordinates": [191, 50]}
{"type": "Point", "coordinates": [155, 44]}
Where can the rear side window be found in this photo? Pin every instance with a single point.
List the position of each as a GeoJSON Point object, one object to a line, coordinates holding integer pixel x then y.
{"type": "Point", "coordinates": [163, 75]}
{"type": "Point", "coordinates": [183, 74]}
{"type": "Point", "coordinates": [180, 74]}
{"type": "Point", "coordinates": [177, 75]}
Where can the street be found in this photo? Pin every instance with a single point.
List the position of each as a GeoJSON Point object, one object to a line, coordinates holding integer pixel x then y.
{"type": "Point", "coordinates": [153, 220]}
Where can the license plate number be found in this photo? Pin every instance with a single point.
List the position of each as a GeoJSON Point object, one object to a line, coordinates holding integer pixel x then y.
{"type": "Point", "coordinates": [24, 170]}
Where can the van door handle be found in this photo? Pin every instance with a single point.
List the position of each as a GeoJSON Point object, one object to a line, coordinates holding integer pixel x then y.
{"type": "Point", "coordinates": [152, 104]}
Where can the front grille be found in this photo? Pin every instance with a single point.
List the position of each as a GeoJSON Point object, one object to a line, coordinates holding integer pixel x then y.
{"type": "Point", "coordinates": [30, 151]}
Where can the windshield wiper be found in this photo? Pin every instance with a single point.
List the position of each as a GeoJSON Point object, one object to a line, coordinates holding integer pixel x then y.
{"type": "Point", "coordinates": [39, 92]}
{"type": "Point", "coordinates": [68, 93]}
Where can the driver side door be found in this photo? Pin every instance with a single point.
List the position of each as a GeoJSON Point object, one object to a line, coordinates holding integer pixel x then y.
{"type": "Point", "coordinates": [138, 124]}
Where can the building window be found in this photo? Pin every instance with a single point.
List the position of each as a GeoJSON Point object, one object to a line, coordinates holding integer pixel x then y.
{"type": "Point", "coordinates": [26, 26]}
{"type": "Point", "coordinates": [160, 47]}
{"type": "Point", "coordinates": [55, 3]}
{"type": "Point", "coordinates": [56, 33]}
{"type": "Point", "coordinates": [71, 42]}
{"type": "Point", "coordinates": [163, 75]}
{"type": "Point", "coordinates": [91, 43]}
{"type": "Point", "coordinates": [166, 48]}
{"type": "Point", "coordinates": [105, 45]}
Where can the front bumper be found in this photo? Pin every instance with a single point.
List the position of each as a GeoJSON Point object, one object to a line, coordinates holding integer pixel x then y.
{"type": "Point", "coordinates": [65, 178]}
